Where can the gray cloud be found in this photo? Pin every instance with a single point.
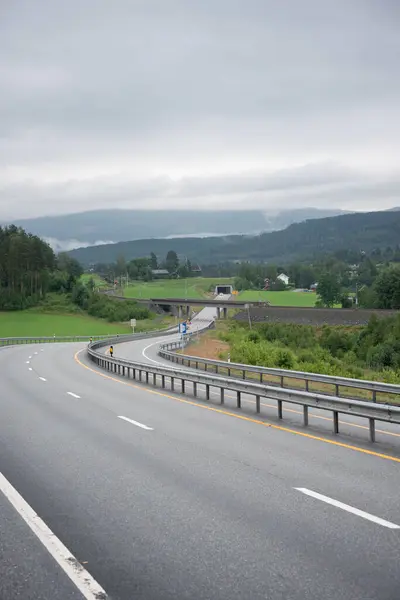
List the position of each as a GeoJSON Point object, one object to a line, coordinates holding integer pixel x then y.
{"type": "Point", "coordinates": [212, 103]}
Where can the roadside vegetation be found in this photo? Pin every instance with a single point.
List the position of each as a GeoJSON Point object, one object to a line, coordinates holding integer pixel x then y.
{"type": "Point", "coordinates": [363, 352]}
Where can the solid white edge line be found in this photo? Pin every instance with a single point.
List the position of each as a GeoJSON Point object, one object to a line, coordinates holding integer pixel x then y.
{"type": "Point", "coordinates": [80, 577]}
{"type": "Point", "coordinates": [73, 395]}
{"type": "Point", "coordinates": [30, 368]}
{"type": "Point", "coordinates": [42, 379]}
{"type": "Point", "coordinates": [156, 362]}
{"type": "Point", "coordinates": [135, 423]}
{"type": "Point", "coordinates": [350, 509]}
{"type": "Point", "coordinates": [27, 362]}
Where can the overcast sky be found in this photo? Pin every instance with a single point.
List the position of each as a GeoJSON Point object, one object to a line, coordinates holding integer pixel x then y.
{"type": "Point", "coordinates": [199, 104]}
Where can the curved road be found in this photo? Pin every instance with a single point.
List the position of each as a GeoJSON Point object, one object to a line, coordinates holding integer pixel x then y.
{"type": "Point", "coordinates": [160, 496]}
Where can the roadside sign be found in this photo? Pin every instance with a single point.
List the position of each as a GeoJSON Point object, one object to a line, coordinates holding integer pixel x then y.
{"type": "Point", "coordinates": [133, 322]}
{"type": "Point", "coordinates": [183, 327]}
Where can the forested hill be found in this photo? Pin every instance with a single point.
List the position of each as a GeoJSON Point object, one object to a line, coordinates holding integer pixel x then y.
{"type": "Point", "coordinates": [300, 241]}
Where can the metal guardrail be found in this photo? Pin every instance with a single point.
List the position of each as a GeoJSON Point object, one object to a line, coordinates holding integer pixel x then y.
{"type": "Point", "coordinates": [161, 375]}
{"type": "Point", "coordinates": [166, 351]}
{"type": "Point", "coordinates": [123, 337]}
{"type": "Point", "coordinates": [12, 341]}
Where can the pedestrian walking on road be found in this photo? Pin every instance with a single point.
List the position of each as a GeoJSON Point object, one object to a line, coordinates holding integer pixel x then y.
{"type": "Point", "coordinates": [111, 351]}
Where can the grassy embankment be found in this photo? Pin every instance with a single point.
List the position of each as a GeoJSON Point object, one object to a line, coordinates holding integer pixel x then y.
{"type": "Point", "coordinates": [57, 315]}
{"type": "Point", "coordinates": [333, 350]}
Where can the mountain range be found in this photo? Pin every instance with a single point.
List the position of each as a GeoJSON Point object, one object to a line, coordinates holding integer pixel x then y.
{"type": "Point", "coordinates": [66, 232]}
{"type": "Point", "coordinates": [299, 241]}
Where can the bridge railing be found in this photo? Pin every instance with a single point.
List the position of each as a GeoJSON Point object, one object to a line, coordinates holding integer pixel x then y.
{"type": "Point", "coordinates": [373, 390]}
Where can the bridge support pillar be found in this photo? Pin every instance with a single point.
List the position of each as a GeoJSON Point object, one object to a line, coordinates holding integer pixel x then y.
{"type": "Point", "coordinates": [188, 311]}
{"type": "Point", "coordinates": [179, 312]}
{"type": "Point", "coordinates": [225, 313]}
{"type": "Point", "coordinates": [218, 312]}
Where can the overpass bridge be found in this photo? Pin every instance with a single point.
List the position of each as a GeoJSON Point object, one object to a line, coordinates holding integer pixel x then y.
{"type": "Point", "coordinates": [184, 305]}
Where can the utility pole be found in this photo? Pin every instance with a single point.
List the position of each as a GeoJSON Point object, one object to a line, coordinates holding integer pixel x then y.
{"type": "Point", "coordinates": [248, 314]}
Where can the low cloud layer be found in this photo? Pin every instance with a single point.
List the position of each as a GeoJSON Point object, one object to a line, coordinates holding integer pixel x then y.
{"type": "Point", "coordinates": [212, 104]}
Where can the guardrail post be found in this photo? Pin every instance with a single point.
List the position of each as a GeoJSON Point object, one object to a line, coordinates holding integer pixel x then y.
{"type": "Point", "coordinates": [222, 398]}
{"type": "Point", "coordinates": [154, 379]}
{"type": "Point", "coordinates": [258, 404]}
{"type": "Point", "coordinates": [229, 372]}
{"type": "Point", "coordinates": [207, 391]}
{"type": "Point", "coordinates": [282, 381]}
{"type": "Point", "coordinates": [372, 430]}
{"type": "Point", "coordinates": [280, 412]}
{"type": "Point", "coordinates": [261, 377]}
{"type": "Point", "coordinates": [182, 386]}
{"type": "Point", "coordinates": [133, 373]}
{"type": "Point", "coordinates": [337, 389]}
{"type": "Point", "coordinates": [163, 381]}
{"type": "Point", "coordinates": [244, 374]}
{"type": "Point", "coordinates": [239, 399]}
{"type": "Point", "coordinates": [373, 395]}
{"type": "Point", "coordinates": [306, 385]}
{"type": "Point", "coordinates": [216, 369]}
{"type": "Point", "coordinates": [305, 415]}
{"type": "Point", "coordinates": [194, 389]}
{"type": "Point", "coordinates": [205, 366]}
{"type": "Point", "coordinates": [147, 377]}
{"type": "Point", "coordinates": [197, 364]}
{"type": "Point", "coordinates": [140, 374]}
{"type": "Point", "coordinates": [335, 421]}
{"type": "Point", "coordinates": [172, 383]}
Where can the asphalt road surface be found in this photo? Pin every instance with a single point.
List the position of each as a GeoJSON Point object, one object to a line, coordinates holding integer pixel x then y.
{"type": "Point", "coordinates": [160, 496]}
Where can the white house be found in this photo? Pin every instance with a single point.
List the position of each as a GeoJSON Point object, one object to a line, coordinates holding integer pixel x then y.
{"type": "Point", "coordinates": [284, 278]}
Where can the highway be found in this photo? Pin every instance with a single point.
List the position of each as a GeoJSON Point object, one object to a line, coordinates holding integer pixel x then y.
{"type": "Point", "coordinates": [162, 496]}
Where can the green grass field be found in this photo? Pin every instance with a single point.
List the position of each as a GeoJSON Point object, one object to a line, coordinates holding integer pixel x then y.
{"type": "Point", "coordinates": [192, 288]}
{"type": "Point", "coordinates": [28, 323]}
{"type": "Point", "coordinates": [286, 298]}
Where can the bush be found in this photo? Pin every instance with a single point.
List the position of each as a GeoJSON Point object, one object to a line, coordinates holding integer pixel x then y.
{"type": "Point", "coordinates": [285, 359]}
{"type": "Point", "coordinates": [253, 336]}
{"type": "Point", "coordinates": [383, 355]}
{"type": "Point", "coordinates": [113, 310]}
{"type": "Point", "coordinates": [337, 342]}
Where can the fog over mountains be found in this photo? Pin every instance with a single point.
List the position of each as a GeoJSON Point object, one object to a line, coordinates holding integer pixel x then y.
{"type": "Point", "coordinates": [66, 232]}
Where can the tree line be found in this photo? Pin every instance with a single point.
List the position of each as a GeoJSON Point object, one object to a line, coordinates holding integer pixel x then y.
{"type": "Point", "coordinates": [26, 265]}
{"type": "Point", "coordinates": [29, 270]}
{"type": "Point", "coordinates": [143, 268]}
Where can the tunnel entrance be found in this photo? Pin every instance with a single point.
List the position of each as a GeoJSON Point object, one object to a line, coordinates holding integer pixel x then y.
{"type": "Point", "coordinates": [223, 289]}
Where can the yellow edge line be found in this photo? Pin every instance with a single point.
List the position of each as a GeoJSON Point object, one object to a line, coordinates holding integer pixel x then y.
{"type": "Point", "coordinates": [241, 417]}
{"type": "Point", "coordinates": [298, 412]}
